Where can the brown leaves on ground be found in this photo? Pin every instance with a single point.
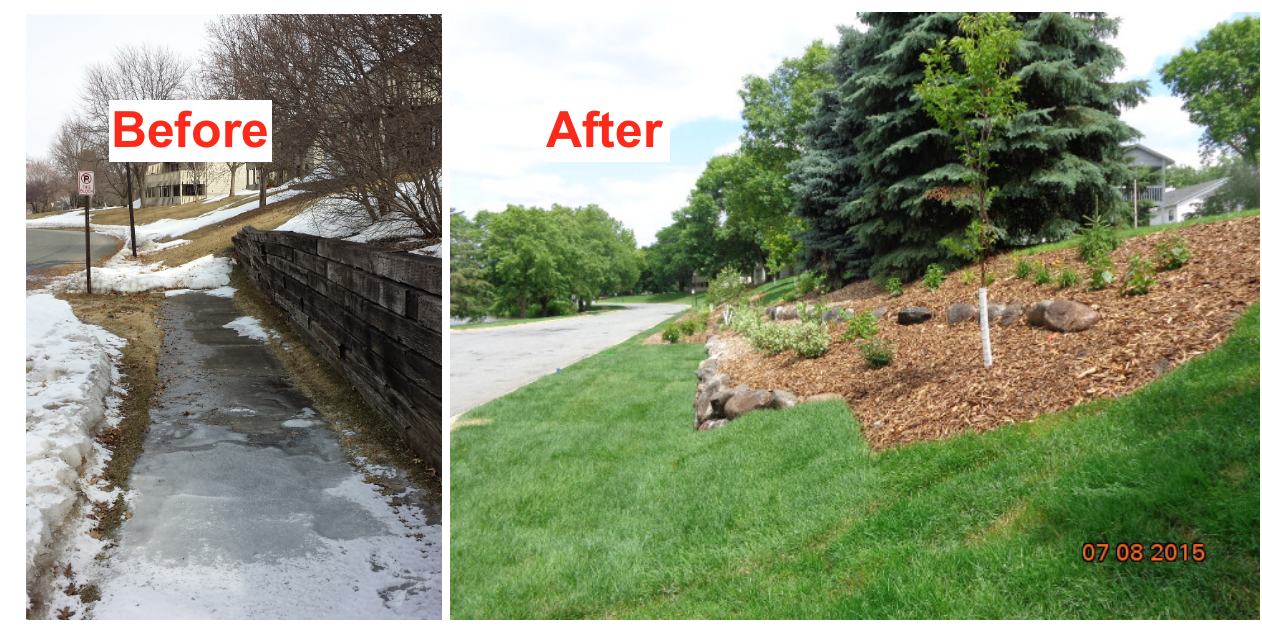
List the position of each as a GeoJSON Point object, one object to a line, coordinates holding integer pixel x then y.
{"type": "Point", "coordinates": [936, 386]}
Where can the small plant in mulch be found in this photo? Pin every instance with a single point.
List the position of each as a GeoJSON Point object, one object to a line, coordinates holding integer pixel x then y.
{"type": "Point", "coordinates": [934, 275]}
{"type": "Point", "coordinates": [727, 287]}
{"type": "Point", "coordinates": [1097, 238]}
{"type": "Point", "coordinates": [966, 276]}
{"type": "Point", "coordinates": [1024, 268]}
{"type": "Point", "coordinates": [691, 326]}
{"type": "Point", "coordinates": [877, 352]}
{"type": "Point", "coordinates": [1042, 273]}
{"type": "Point", "coordinates": [861, 326]}
{"type": "Point", "coordinates": [1068, 278]}
{"type": "Point", "coordinates": [1139, 277]}
{"type": "Point", "coordinates": [1101, 268]}
{"type": "Point", "coordinates": [670, 333]}
{"type": "Point", "coordinates": [894, 286]}
{"type": "Point", "coordinates": [1172, 253]}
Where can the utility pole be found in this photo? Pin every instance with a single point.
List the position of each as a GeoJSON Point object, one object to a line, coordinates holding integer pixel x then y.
{"type": "Point", "coordinates": [131, 215]}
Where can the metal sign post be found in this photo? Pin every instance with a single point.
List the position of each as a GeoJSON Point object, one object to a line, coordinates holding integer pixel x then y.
{"type": "Point", "coordinates": [131, 215]}
{"type": "Point", "coordinates": [87, 185]}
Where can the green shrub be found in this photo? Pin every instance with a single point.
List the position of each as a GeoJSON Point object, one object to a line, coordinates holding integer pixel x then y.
{"type": "Point", "coordinates": [670, 333]}
{"type": "Point", "coordinates": [1042, 273]}
{"type": "Point", "coordinates": [807, 282]}
{"type": "Point", "coordinates": [894, 286]}
{"type": "Point", "coordinates": [1023, 269]}
{"type": "Point", "coordinates": [1172, 253]}
{"type": "Point", "coordinates": [934, 275]}
{"type": "Point", "coordinates": [691, 326]}
{"type": "Point", "coordinates": [877, 352]}
{"type": "Point", "coordinates": [861, 326]}
{"type": "Point", "coordinates": [966, 276]}
{"type": "Point", "coordinates": [1098, 237]}
{"type": "Point", "coordinates": [727, 287]}
{"type": "Point", "coordinates": [809, 340]}
{"type": "Point", "coordinates": [561, 307]}
{"type": "Point", "coordinates": [1139, 277]}
{"type": "Point", "coordinates": [1068, 278]}
{"type": "Point", "coordinates": [1101, 268]}
{"type": "Point", "coordinates": [811, 313]}
{"type": "Point", "coordinates": [746, 320]}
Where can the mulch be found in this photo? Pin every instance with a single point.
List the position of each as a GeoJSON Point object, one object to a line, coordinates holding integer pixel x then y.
{"type": "Point", "coordinates": [936, 386]}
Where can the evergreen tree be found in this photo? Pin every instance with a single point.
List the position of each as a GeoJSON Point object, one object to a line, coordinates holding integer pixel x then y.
{"type": "Point", "coordinates": [883, 182]}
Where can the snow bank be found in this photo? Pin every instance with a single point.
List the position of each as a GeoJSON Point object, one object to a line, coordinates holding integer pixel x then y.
{"type": "Point", "coordinates": [132, 277]}
{"type": "Point", "coordinates": [69, 376]}
{"type": "Point", "coordinates": [249, 327]}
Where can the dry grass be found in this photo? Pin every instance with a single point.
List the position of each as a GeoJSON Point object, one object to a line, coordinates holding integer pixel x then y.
{"type": "Point", "coordinates": [149, 215]}
{"type": "Point", "coordinates": [216, 239]}
{"type": "Point", "coordinates": [133, 318]}
{"type": "Point", "coordinates": [362, 432]}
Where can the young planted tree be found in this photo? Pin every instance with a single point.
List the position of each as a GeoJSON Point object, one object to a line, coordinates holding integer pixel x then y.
{"type": "Point", "coordinates": [971, 93]}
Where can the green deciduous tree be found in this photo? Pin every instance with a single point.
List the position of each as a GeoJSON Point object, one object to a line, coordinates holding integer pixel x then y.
{"type": "Point", "coordinates": [472, 296]}
{"type": "Point", "coordinates": [1218, 81]}
{"type": "Point", "coordinates": [970, 91]}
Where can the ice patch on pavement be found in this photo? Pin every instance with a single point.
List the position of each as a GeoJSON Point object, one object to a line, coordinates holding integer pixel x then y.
{"type": "Point", "coordinates": [70, 374]}
{"type": "Point", "coordinates": [249, 327]}
{"type": "Point", "coordinates": [298, 423]}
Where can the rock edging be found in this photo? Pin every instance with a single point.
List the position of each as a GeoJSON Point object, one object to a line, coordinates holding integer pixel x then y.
{"type": "Point", "coordinates": [718, 402]}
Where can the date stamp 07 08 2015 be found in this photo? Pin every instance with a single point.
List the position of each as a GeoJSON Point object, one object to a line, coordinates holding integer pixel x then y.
{"type": "Point", "coordinates": [1137, 552]}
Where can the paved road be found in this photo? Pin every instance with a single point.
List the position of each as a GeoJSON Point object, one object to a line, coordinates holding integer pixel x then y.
{"type": "Point", "coordinates": [55, 247]}
{"type": "Point", "coordinates": [487, 363]}
{"type": "Point", "coordinates": [246, 506]}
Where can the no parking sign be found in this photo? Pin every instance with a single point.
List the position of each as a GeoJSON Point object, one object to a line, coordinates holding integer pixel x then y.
{"type": "Point", "coordinates": [87, 184]}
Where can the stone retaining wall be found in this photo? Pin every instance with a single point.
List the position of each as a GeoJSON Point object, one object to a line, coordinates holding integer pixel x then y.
{"type": "Point", "coordinates": [373, 313]}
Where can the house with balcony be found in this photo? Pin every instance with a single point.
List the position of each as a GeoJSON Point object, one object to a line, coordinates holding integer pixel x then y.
{"type": "Point", "coordinates": [1140, 155]}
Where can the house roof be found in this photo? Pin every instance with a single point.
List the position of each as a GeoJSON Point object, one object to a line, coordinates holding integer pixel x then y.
{"type": "Point", "coordinates": [1139, 147]}
{"type": "Point", "coordinates": [1202, 190]}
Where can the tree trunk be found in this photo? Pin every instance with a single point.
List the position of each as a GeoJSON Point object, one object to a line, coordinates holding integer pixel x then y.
{"type": "Point", "coordinates": [521, 305]}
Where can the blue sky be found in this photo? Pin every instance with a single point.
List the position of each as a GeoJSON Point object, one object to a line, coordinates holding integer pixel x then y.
{"type": "Point", "coordinates": [689, 67]}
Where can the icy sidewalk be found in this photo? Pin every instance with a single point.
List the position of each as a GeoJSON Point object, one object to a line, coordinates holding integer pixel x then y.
{"type": "Point", "coordinates": [245, 506]}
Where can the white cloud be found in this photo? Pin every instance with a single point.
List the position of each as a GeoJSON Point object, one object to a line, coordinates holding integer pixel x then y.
{"type": "Point", "coordinates": [728, 147]}
{"type": "Point", "coordinates": [1150, 38]}
{"type": "Point", "coordinates": [1166, 128]}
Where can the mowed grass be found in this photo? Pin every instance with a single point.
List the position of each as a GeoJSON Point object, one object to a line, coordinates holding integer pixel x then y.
{"type": "Point", "coordinates": [595, 310]}
{"type": "Point", "coordinates": [587, 494]}
{"type": "Point", "coordinates": [658, 298]}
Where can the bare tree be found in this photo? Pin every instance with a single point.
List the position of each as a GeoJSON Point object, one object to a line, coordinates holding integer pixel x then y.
{"type": "Point", "coordinates": [41, 184]}
{"type": "Point", "coordinates": [361, 92]}
{"type": "Point", "coordinates": [135, 72]}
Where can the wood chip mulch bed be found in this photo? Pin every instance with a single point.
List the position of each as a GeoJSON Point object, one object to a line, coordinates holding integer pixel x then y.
{"type": "Point", "coordinates": [936, 386]}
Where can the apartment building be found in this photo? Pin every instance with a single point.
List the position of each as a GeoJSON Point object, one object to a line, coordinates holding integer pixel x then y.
{"type": "Point", "coordinates": [177, 183]}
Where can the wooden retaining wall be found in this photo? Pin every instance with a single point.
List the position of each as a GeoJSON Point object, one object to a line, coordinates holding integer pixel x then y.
{"type": "Point", "coordinates": [374, 314]}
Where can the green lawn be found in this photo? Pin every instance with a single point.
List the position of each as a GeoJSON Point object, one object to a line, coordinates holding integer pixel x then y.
{"type": "Point", "coordinates": [1127, 233]}
{"type": "Point", "coordinates": [587, 494]}
{"type": "Point", "coordinates": [596, 310]}
{"type": "Point", "coordinates": [659, 298]}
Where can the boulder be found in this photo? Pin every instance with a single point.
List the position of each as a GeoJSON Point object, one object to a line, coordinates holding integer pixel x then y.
{"type": "Point", "coordinates": [832, 314]}
{"type": "Point", "coordinates": [1034, 315]}
{"type": "Point", "coordinates": [824, 397]}
{"type": "Point", "coordinates": [914, 315]}
{"type": "Point", "coordinates": [743, 402]}
{"type": "Point", "coordinates": [771, 312]}
{"type": "Point", "coordinates": [707, 369]}
{"type": "Point", "coordinates": [786, 313]}
{"type": "Point", "coordinates": [1067, 316]}
{"type": "Point", "coordinates": [712, 424]}
{"type": "Point", "coordinates": [783, 399]}
{"type": "Point", "coordinates": [993, 311]}
{"type": "Point", "coordinates": [1012, 313]}
{"type": "Point", "coordinates": [880, 312]}
{"type": "Point", "coordinates": [960, 312]}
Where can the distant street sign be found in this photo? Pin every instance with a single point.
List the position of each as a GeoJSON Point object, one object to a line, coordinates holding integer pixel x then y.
{"type": "Point", "coordinates": [87, 184]}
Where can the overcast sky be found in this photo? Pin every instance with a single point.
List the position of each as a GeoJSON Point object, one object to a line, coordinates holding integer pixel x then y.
{"type": "Point", "coordinates": [508, 75]}
{"type": "Point", "coordinates": [55, 59]}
